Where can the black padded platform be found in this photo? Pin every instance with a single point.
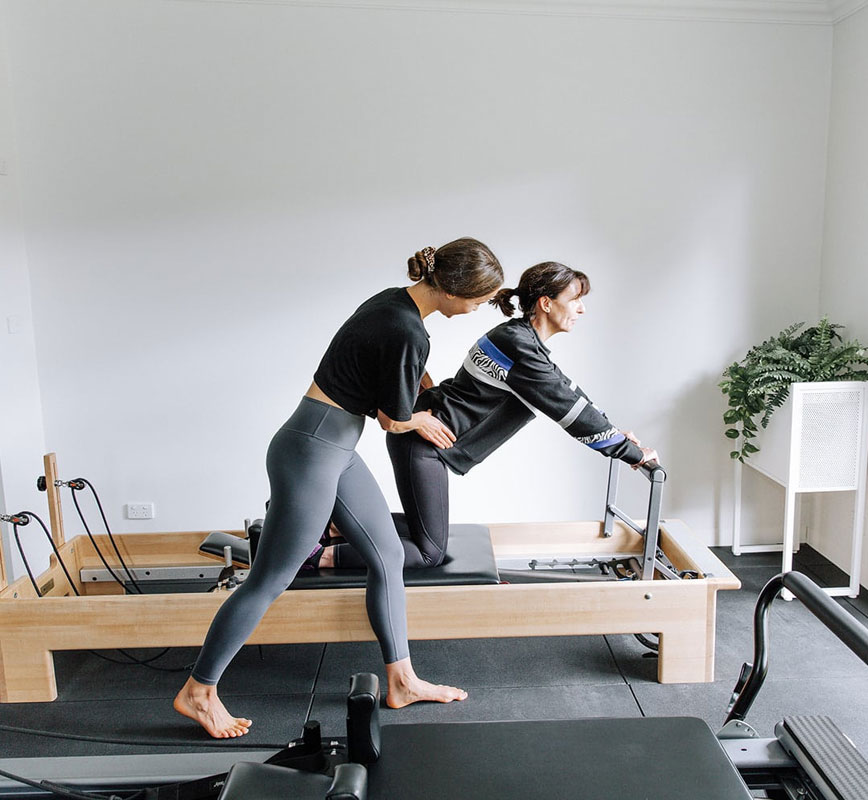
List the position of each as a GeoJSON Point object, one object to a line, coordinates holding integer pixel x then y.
{"type": "Point", "coordinates": [214, 542]}
{"type": "Point", "coordinates": [669, 758]}
{"type": "Point", "coordinates": [254, 781]}
{"type": "Point", "coordinates": [247, 781]}
{"type": "Point", "coordinates": [469, 560]}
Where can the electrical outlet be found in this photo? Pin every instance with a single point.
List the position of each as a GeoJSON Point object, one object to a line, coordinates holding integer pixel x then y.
{"type": "Point", "coordinates": [140, 510]}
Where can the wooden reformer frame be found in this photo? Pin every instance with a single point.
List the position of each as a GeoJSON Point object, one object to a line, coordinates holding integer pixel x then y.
{"type": "Point", "coordinates": [682, 612]}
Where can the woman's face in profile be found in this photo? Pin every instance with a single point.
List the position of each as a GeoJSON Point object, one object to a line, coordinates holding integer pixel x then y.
{"type": "Point", "coordinates": [566, 307]}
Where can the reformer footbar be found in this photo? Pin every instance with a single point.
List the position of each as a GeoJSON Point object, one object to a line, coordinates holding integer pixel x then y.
{"type": "Point", "coordinates": [652, 555]}
{"type": "Point", "coordinates": [613, 566]}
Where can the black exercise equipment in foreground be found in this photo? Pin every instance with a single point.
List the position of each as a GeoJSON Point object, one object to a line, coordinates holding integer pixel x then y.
{"type": "Point", "coordinates": [651, 758]}
{"type": "Point", "coordinates": [671, 758]}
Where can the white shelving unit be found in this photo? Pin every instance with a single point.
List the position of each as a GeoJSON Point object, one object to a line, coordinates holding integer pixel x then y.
{"type": "Point", "coordinates": [816, 442]}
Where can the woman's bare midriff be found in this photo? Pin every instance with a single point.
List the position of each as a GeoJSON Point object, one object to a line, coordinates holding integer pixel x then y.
{"type": "Point", "coordinates": [315, 393]}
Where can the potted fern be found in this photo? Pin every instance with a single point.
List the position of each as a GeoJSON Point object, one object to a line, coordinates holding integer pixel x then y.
{"type": "Point", "coordinates": [760, 383]}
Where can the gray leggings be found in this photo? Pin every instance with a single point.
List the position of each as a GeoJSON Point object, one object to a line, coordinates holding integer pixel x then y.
{"type": "Point", "coordinates": [423, 487]}
{"type": "Point", "coordinates": [315, 472]}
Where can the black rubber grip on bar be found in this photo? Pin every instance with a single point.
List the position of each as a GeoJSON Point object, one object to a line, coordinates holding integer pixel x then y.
{"type": "Point", "coordinates": [653, 471]}
{"type": "Point", "coordinates": [845, 626]}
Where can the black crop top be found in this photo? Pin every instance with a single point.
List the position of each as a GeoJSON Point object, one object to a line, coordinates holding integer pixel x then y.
{"type": "Point", "coordinates": [377, 358]}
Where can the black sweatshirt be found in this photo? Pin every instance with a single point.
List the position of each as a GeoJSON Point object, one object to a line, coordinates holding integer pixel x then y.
{"type": "Point", "coordinates": [506, 378]}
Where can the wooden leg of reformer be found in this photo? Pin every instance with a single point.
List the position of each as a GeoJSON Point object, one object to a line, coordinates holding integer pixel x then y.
{"type": "Point", "coordinates": [26, 672]}
{"type": "Point", "coordinates": [687, 650]}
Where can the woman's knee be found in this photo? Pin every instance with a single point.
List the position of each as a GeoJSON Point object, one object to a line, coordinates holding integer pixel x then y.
{"type": "Point", "coordinates": [389, 557]}
{"type": "Point", "coordinates": [433, 556]}
{"type": "Point", "coordinates": [269, 584]}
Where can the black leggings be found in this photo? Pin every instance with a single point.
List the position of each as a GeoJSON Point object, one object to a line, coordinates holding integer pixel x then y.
{"type": "Point", "coordinates": [424, 491]}
{"type": "Point", "coordinates": [314, 470]}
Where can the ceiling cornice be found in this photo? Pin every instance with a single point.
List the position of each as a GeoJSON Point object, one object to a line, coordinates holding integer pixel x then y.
{"type": "Point", "coordinates": [800, 12]}
{"type": "Point", "coordinates": [841, 9]}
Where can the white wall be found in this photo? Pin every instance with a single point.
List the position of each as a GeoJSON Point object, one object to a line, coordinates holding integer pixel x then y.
{"type": "Point", "coordinates": [211, 188]}
{"type": "Point", "coordinates": [21, 436]}
{"type": "Point", "coordinates": [844, 286]}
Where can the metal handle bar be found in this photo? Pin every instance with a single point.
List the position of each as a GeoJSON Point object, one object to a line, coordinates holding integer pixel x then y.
{"type": "Point", "coordinates": [657, 476]}
{"type": "Point", "coordinates": [849, 630]}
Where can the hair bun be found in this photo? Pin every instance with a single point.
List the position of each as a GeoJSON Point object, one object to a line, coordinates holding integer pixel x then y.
{"type": "Point", "coordinates": [417, 266]}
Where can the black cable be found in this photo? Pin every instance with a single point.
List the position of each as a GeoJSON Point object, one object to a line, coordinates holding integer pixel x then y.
{"type": "Point", "coordinates": [24, 558]}
{"type": "Point", "coordinates": [142, 742]}
{"type": "Point", "coordinates": [141, 662]}
{"type": "Point", "coordinates": [76, 485]}
{"type": "Point", "coordinates": [649, 643]}
{"type": "Point", "coordinates": [55, 550]}
{"type": "Point", "coordinates": [53, 788]}
{"type": "Point", "coordinates": [131, 658]}
{"type": "Point", "coordinates": [98, 551]}
{"type": "Point", "coordinates": [89, 485]}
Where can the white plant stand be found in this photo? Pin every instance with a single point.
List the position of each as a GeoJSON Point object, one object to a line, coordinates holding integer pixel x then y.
{"type": "Point", "coordinates": [816, 442]}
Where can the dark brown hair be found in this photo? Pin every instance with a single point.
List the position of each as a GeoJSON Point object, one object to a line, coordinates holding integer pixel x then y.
{"type": "Point", "coordinates": [548, 279]}
{"type": "Point", "coordinates": [464, 268]}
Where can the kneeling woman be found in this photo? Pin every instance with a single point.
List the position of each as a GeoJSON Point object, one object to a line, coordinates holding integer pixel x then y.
{"type": "Point", "coordinates": [507, 376]}
{"type": "Point", "coordinates": [374, 367]}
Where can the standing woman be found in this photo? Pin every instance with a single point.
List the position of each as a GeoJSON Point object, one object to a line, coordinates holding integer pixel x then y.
{"type": "Point", "coordinates": [506, 378]}
{"type": "Point", "coordinates": [373, 367]}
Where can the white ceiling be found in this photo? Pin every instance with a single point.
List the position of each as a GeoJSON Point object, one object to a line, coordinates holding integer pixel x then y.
{"type": "Point", "coordinates": [817, 12]}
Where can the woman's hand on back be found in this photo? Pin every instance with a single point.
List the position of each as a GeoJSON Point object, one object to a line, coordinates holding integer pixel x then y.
{"type": "Point", "coordinates": [424, 423]}
{"type": "Point", "coordinates": [432, 429]}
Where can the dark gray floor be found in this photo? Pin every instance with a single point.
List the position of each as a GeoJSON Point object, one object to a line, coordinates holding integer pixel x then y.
{"type": "Point", "coordinates": [508, 679]}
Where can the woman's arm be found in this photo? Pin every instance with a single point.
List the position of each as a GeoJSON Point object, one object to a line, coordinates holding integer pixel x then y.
{"type": "Point", "coordinates": [424, 423]}
{"type": "Point", "coordinates": [648, 453]}
{"type": "Point", "coordinates": [537, 380]}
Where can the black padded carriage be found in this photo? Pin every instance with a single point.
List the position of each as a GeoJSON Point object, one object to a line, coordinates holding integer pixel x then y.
{"type": "Point", "coordinates": [469, 560]}
{"type": "Point", "coordinates": [666, 758]}
{"type": "Point", "coordinates": [670, 758]}
{"type": "Point", "coordinates": [254, 781]}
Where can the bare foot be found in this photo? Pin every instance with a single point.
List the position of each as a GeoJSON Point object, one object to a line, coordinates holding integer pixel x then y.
{"type": "Point", "coordinates": [327, 559]}
{"type": "Point", "coordinates": [405, 687]}
{"type": "Point", "coordinates": [200, 703]}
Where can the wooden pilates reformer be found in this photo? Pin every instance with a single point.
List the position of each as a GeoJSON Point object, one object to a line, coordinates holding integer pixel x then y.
{"type": "Point", "coordinates": [458, 602]}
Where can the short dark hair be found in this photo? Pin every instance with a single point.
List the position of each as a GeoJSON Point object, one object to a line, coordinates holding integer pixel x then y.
{"type": "Point", "coordinates": [464, 268]}
{"type": "Point", "coordinates": [547, 279]}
